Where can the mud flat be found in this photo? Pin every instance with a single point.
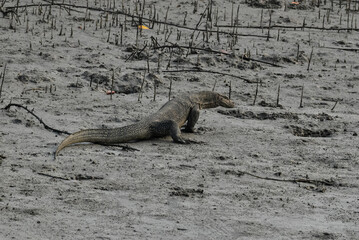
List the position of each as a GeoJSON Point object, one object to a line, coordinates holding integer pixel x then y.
{"type": "Point", "coordinates": [283, 164]}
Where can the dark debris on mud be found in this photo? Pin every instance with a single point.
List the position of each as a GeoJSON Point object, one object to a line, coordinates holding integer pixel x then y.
{"type": "Point", "coordinates": [259, 116]}
{"type": "Point", "coordinates": [306, 132]}
{"type": "Point", "coordinates": [186, 192]}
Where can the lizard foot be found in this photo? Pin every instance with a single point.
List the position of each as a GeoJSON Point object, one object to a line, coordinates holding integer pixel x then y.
{"type": "Point", "coordinates": [187, 130]}
{"type": "Point", "coordinates": [188, 141]}
{"type": "Point", "coordinates": [181, 141]}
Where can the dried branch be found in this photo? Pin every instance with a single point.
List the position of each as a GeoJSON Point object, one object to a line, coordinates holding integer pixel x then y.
{"type": "Point", "coordinates": [79, 177]}
{"type": "Point", "coordinates": [40, 120]}
{"type": "Point", "coordinates": [52, 176]}
{"type": "Point", "coordinates": [137, 17]}
{"type": "Point", "coordinates": [209, 71]}
{"type": "Point", "coordinates": [343, 49]}
{"type": "Point", "coordinates": [330, 182]}
{"type": "Point", "coordinates": [218, 52]}
{"type": "Point", "coordinates": [301, 27]}
{"type": "Point", "coordinates": [124, 147]}
{"type": "Point", "coordinates": [136, 52]}
{"type": "Point", "coordinates": [2, 79]}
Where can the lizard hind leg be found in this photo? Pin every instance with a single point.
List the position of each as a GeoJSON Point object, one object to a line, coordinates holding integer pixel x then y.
{"type": "Point", "coordinates": [167, 127]}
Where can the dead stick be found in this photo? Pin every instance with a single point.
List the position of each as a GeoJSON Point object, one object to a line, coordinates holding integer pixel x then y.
{"type": "Point", "coordinates": [124, 147]}
{"type": "Point", "coordinates": [154, 90]}
{"type": "Point", "coordinates": [169, 60]}
{"type": "Point", "coordinates": [113, 79]}
{"type": "Point", "coordinates": [32, 113]}
{"type": "Point", "coordinates": [109, 34]}
{"type": "Point", "coordinates": [301, 97]}
{"type": "Point", "coordinates": [336, 102]}
{"type": "Point", "coordinates": [159, 63]}
{"type": "Point", "coordinates": [2, 76]}
{"type": "Point", "coordinates": [214, 85]}
{"type": "Point", "coordinates": [297, 52]}
{"type": "Point", "coordinates": [310, 59]}
{"type": "Point", "coordinates": [78, 177]}
{"type": "Point", "coordinates": [121, 37]}
{"type": "Point", "coordinates": [52, 176]}
{"type": "Point", "coordinates": [148, 61]}
{"type": "Point", "coordinates": [230, 90]}
{"type": "Point", "coordinates": [146, 19]}
{"type": "Point", "coordinates": [141, 89]}
{"type": "Point", "coordinates": [210, 71]}
{"type": "Point", "coordinates": [278, 95]}
{"type": "Point", "coordinates": [169, 93]}
{"type": "Point", "coordinates": [256, 93]}
{"type": "Point", "coordinates": [278, 35]}
{"type": "Point", "coordinates": [261, 21]}
{"type": "Point", "coordinates": [270, 21]}
{"type": "Point", "coordinates": [287, 27]}
{"type": "Point", "coordinates": [300, 180]}
{"type": "Point", "coordinates": [214, 51]}
{"type": "Point", "coordinates": [343, 49]}
{"type": "Point", "coordinates": [136, 52]}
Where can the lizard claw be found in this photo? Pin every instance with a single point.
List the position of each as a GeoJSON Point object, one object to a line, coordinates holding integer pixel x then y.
{"type": "Point", "coordinates": [187, 141]}
{"type": "Point", "coordinates": [194, 142]}
{"type": "Point", "coordinates": [181, 141]}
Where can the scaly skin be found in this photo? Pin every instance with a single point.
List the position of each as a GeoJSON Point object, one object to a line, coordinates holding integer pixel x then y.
{"type": "Point", "coordinates": [166, 121]}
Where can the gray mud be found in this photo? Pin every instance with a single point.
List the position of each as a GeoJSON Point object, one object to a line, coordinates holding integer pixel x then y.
{"type": "Point", "coordinates": [268, 170]}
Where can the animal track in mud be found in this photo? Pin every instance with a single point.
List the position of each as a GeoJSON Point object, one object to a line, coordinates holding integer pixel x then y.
{"type": "Point", "coordinates": [305, 132]}
{"type": "Point", "coordinates": [260, 116]}
{"type": "Point", "coordinates": [127, 84]}
{"type": "Point", "coordinates": [296, 130]}
{"type": "Point", "coordinates": [320, 116]}
{"type": "Point", "coordinates": [33, 76]}
{"type": "Point", "coordinates": [273, 116]}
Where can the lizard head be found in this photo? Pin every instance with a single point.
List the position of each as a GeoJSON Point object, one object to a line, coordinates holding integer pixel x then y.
{"type": "Point", "coordinates": [224, 101]}
{"type": "Point", "coordinates": [210, 99]}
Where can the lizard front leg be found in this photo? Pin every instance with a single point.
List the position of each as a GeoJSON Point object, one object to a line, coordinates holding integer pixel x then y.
{"type": "Point", "coordinates": [192, 119]}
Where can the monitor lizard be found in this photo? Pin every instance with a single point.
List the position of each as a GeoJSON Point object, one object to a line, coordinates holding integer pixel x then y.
{"type": "Point", "coordinates": [168, 120]}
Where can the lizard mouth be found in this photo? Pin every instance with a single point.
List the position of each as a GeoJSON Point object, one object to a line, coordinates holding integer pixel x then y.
{"type": "Point", "coordinates": [226, 102]}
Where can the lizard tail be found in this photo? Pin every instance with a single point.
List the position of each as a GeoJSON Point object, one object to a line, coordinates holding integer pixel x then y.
{"type": "Point", "coordinates": [107, 136]}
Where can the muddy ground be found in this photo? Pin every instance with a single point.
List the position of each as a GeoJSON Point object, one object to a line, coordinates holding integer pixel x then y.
{"type": "Point", "coordinates": [280, 165]}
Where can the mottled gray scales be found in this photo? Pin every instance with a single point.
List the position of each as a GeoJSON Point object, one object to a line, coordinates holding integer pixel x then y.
{"type": "Point", "coordinates": [165, 122]}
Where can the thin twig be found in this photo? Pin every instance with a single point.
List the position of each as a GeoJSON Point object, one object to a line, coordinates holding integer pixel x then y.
{"type": "Point", "coordinates": [278, 93]}
{"type": "Point", "coordinates": [136, 52]}
{"type": "Point", "coordinates": [124, 147]}
{"type": "Point", "coordinates": [52, 176]}
{"type": "Point", "coordinates": [170, 90]}
{"type": "Point", "coordinates": [256, 93]}
{"type": "Point", "coordinates": [310, 59]}
{"type": "Point", "coordinates": [79, 177]}
{"type": "Point", "coordinates": [210, 71]}
{"type": "Point", "coordinates": [301, 97]}
{"type": "Point", "coordinates": [343, 49]}
{"type": "Point", "coordinates": [330, 182]}
{"type": "Point", "coordinates": [215, 51]}
{"type": "Point", "coordinates": [112, 82]}
{"type": "Point", "coordinates": [335, 104]}
{"type": "Point", "coordinates": [33, 114]}
{"type": "Point", "coordinates": [137, 17]}
{"type": "Point", "coordinates": [2, 78]}
{"type": "Point", "coordinates": [287, 27]}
